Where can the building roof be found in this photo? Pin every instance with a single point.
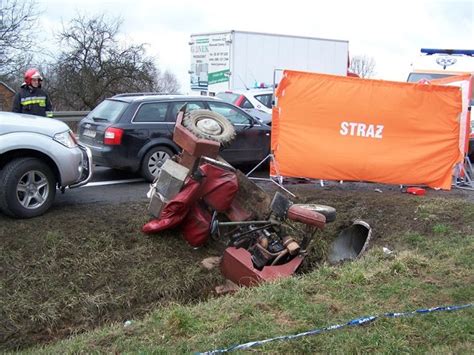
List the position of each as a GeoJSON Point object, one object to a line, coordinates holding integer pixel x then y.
{"type": "Point", "coordinates": [9, 88]}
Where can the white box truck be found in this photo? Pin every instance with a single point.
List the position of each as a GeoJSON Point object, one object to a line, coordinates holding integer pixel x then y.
{"type": "Point", "coordinates": [240, 60]}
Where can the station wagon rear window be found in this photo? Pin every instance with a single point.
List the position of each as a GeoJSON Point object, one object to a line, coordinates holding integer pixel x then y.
{"type": "Point", "coordinates": [151, 112]}
{"type": "Point", "coordinates": [108, 110]}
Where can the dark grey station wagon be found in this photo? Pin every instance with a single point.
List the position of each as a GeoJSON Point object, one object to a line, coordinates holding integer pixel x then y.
{"type": "Point", "coordinates": [135, 132]}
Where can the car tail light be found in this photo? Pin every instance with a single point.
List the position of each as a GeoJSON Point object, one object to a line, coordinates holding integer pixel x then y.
{"type": "Point", "coordinates": [113, 136]}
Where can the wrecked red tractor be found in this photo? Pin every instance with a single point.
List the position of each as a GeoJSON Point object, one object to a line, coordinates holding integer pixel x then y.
{"type": "Point", "coordinates": [197, 189]}
{"type": "Point", "coordinates": [268, 249]}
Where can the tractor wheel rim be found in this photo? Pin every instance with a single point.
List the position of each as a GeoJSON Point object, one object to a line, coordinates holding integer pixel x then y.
{"type": "Point", "coordinates": [209, 126]}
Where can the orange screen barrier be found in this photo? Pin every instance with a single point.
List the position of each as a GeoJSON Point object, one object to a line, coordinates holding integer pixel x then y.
{"type": "Point", "coordinates": [465, 83]}
{"type": "Point", "coordinates": [341, 128]}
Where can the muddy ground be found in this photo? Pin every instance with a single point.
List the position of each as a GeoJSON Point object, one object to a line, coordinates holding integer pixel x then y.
{"type": "Point", "coordinates": [78, 268]}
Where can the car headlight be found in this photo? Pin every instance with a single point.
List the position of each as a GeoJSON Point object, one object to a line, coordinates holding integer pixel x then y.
{"type": "Point", "coordinates": [66, 138]}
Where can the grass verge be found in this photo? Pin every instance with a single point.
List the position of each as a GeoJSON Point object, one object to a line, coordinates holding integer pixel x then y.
{"type": "Point", "coordinates": [433, 244]}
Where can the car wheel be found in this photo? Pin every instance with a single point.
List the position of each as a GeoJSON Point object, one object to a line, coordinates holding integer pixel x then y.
{"type": "Point", "coordinates": [328, 211]}
{"type": "Point", "coordinates": [153, 160]}
{"type": "Point", "coordinates": [27, 188]}
{"type": "Point", "coordinates": [209, 125]}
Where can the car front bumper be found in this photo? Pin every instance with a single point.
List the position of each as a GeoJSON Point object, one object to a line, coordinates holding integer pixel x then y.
{"type": "Point", "coordinates": [85, 168]}
{"type": "Point", "coordinates": [74, 165]}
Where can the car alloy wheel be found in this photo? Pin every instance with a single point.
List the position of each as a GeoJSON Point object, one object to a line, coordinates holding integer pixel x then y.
{"type": "Point", "coordinates": [32, 189]}
{"type": "Point", "coordinates": [156, 161]}
{"type": "Point", "coordinates": [153, 161]}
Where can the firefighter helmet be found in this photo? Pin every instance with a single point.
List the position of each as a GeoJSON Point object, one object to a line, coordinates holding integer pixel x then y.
{"type": "Point", "coordinates": [32, 73]}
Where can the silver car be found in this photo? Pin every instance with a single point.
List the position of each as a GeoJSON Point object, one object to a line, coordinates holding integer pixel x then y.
{"type": "Point", "coordinates": [38, 155]}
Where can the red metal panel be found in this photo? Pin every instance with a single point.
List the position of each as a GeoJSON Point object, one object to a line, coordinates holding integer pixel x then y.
{"type": "Point", "coordinates": [193, 145]}
{"type": "Point", "coordinates": [237, 266]}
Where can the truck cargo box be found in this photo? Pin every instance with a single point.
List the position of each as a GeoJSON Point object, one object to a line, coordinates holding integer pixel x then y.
{"type": "Point", "coordinates": [240, 60]}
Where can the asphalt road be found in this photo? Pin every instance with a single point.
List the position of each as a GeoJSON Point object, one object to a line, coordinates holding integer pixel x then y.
{"type": "Point", "coordinates": [106, 186]}
{"type": "Point", "coordinates": [110, 186]}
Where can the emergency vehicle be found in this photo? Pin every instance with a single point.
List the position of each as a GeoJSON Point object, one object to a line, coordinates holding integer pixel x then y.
{"type": "Point", "coordinates": [435, 64]}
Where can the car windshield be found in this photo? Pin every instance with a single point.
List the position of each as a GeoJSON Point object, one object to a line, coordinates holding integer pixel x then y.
{"type": "Point", "coordinates": [228, 97]}
{"type": "Point", "coordinates": [415, 77]}
{"type": "Point", "coordinates": [108, 110]}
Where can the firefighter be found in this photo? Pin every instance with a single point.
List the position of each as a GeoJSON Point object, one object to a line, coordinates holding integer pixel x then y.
{"type": "Point", "coordinates": [32, 99]}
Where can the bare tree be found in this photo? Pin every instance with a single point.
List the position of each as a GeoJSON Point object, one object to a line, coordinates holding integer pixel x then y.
{"type": "Point", "coordinates": [18, 19]}
{"type": "Point", "coordinates": [167, 83]}
{"type": "Point", "coordinates": [363, 65]}
{"type": "Point", "coordinates": [94, 65]}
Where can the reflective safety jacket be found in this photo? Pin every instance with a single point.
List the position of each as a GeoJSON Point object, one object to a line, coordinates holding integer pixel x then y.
{"type": "Point", "coordinates": [32, 101]}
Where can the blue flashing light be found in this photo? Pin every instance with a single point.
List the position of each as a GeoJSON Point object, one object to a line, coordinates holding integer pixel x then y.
{"type": "Point", "coordinates": [430, 51]}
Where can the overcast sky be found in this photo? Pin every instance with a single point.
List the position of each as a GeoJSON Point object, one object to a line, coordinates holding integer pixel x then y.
{"type": "Point", "coordinates": [392, 32]}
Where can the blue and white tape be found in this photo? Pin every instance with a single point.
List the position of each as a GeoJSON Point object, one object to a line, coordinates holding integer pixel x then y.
{"type": "Point", "coordinates": [354, 322]}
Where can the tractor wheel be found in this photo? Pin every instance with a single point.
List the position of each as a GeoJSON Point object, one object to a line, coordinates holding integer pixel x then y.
{"type": "Point", "coordinates": [328, 211]}
{"type": "Point", "coordinates": [209, 125]}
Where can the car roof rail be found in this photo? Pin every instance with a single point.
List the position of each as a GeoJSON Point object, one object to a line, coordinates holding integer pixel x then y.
{"type": "Point", "coordinates": [140, 94]}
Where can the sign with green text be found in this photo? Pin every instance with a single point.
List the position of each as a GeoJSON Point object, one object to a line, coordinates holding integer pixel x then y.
{"type": "Point", "coordinates": [218, 77]}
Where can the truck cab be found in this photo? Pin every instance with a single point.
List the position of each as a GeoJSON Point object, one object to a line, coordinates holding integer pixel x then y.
{"type": "Point", "coordinates": [441, 63]}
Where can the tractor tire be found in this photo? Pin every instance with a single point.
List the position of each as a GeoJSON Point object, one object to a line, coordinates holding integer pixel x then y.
{"type": "Point", "coordinates": [27, 188]}
{"type": "Point", "coordinates": [328, 211]}
{"type": "Point", "coordinates": [209, 125]}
